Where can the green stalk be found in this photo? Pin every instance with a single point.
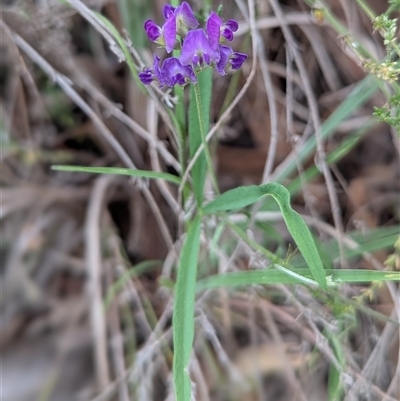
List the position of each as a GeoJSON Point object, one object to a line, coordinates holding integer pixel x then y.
{"type": "Point", "coordinates": [203, 137]}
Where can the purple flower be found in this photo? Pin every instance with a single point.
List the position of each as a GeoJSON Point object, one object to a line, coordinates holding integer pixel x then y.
{"type": "Point", "coordinates": [213, 28]}
{"type": "Point", "coordinates": [196, 49]}
{"type": "Point", "coordinates": [225, 52]}
{"type": "Point", "coordinates": [218, 32]}
{"type": "Point", "coordinates": [151, 74]}
{"type": "Point", "coordinates": [177, 20]}
{"type": "Point", "coordinates": [228, 29]}
{"type": "Point", "coordinates": [165, 36]}
{"type": "Point", "coordinates": [171, 73]}
{"type": "Point", "coordinates": [237, 59]}
{"type": "Point", "coordinates": [185, 19]}
{"type": "Point", "coordinates": [168, 11]}
{"type": "Point", "coordinates": [146, 76]}
{"type": "Point", "coordinates": [227, 55]}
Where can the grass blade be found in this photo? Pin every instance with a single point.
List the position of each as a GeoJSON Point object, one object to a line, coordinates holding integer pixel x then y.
{"type": "Point", "coordinates": [121, 171]}
{"type": "Point", "coordinates": [275, 276]}
{"type": "Point", "coordinates": [183, 317]}
{"type": "Point", "coordinates": [362, 92]}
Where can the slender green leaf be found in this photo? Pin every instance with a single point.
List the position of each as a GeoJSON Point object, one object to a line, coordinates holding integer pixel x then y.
{"type": "Point", "coordinates": [183, 317]}
{"type": "Point", "coordinates": [370, 241]}
{"type": "Point", "coordinates": [275, 276]}
{"type": "Point", "coordinates": [335, 383]}
{"type": "Point", "coordinates": [195, 135]}
{"type": "Point", "coordinates": [337, 154]}
{"type": "Point", "coordinates": [133, 21]}
{"type": "Point", "coordinates": [121, 171]}
{"type": "Point", "coordinates": [361, 93]}
{"type": "Point", "coordinates": [244, 196]}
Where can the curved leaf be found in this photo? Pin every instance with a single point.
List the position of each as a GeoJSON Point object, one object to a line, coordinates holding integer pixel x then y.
{"type": "Point", "coordinates": [245, 196]}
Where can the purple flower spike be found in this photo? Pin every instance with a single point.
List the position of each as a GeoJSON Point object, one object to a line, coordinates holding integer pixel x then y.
{"type": "Point", "coordinates": [173, 72]}
{"type": "Point", "coordinates": [237, 59]}
{"type": "Point", "coordinates": [196, 49]}
{"type": "Point", "coordinates": [185, 19]}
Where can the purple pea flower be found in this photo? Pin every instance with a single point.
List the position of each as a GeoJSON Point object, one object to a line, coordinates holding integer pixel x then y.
{"type": "Point", "coordinates": [165, 36]}
{"type": "Point", "coordinates": [146, 76]}
{"type": "Point", "coordinates": [177, 20]}
{"type": "Point", "coordinates": [149, 75]}
{"type": "Point", "coordinates": [196, 49]}
{"type": "Point", "coordinates": [227, 55]}
{"type": "Point", "coordinates": [168, 11]}
{"type": "Point", "coordinates": [237, 59]}
{"type": "Point", "coordinates": [218, 32]}
{"type": "Point", "coordinates": [185, 19]}
{"type": "Point", "coordinates": [171, 73]}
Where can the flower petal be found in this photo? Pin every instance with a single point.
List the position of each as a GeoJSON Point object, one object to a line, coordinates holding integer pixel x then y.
{"type": "Point", "coordinates": [232, 25]}
{"type": "Point", "coordinates": [213, 28]}
{"type": "Point", "coordinates": [146, 76]}
{"type": "Point", "coordinates": [153, 31]}
{"type": "Point", "coordinates": [237, 59]}
{"type": "Point", "coordinates": [185, 15]}
{"type": "Point", "coordinates": [225, 52]}
{"type": "Point", "coordinates": [227, 34]}
{"type": "Point", "coordinates": [156, 67]}
{"type": "Point", "coordinates": [174, 72]}
{"type": "Point", "coordinates": [169, 31]}
{"type": "Point", "coordinates": [168, 11]}
{"type": "Point", "coordinates": [195, 46]}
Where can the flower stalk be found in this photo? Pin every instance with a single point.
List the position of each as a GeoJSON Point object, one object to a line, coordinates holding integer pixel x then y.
{"type": "Point", "coordinates": [203, 137]}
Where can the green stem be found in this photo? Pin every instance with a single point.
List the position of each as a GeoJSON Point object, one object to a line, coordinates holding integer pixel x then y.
{"type": "Point", "coordinates": [181, 138]}
{"type": "Point", "coordinates": [203, 137]}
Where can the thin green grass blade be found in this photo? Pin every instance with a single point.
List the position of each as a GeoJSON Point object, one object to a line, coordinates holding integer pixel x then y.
{"type": "Point", "coordinates": [335, 383]}
{"type": "Point", "coordinates": [275, 276]}
{"type": "Point", "coordinates": [362, 92]}
{"type": "Point", "coordinates": [183, 315]}
{"type": "Point", "coordinates": [133, 21]}
{"type": "Point", "coordinates": [337, 154]}
{"type": "Point", "coordinates": [374, 240]}
{"type": "Point", "coordinates": [244, 196]}
{"type": "Point", "coordinates": [199, 171]}
{"type": "Point", "coordinates": [121, 171]}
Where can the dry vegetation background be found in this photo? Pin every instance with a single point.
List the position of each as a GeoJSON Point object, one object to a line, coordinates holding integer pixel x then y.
{"type": "Point", "coordinates": [67, 238]}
